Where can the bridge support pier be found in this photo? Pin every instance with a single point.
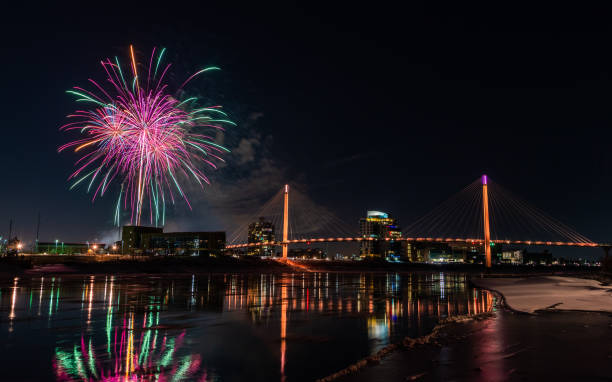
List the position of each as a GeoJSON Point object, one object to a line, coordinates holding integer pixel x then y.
{"type": "Point", "coordinates": [485, 217]}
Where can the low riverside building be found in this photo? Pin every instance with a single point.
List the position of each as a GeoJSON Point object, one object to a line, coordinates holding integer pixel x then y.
{"type": "Point", "coordinates": [131, 237]}
{"type": "Point", "coordinates": [61, 248]}
{"type": "Point", "coordinates": [537, 258]}
{"type": "Point", "coordinates": [432, 252]}
{"type": "Point", "coordinates": [142, 240]}
{"type": "Point", "coordinates": [184, 243]}
{"type": "Point", "coordinates": [307, 253]}
{"type": "Point", "coordinates": [512, 257]}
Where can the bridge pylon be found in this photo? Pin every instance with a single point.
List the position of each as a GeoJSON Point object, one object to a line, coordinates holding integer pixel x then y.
{"type": "Point", "coordinates": [285, 242]}
{"type": "Point", "coordinates": [485, 218]}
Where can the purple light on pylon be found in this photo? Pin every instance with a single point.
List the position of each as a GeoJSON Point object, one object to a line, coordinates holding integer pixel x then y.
{"type": "Point", "coordinates": [484, 179]}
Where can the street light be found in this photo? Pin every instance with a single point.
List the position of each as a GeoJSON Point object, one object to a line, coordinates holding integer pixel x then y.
{"type": "Point", "coordinates": [56, 241]}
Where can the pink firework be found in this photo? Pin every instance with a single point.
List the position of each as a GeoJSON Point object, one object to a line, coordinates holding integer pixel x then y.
{"type": "Point", "coordinates": [142, 137]}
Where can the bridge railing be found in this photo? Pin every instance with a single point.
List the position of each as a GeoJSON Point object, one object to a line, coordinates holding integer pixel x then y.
{"type": "Point", "coordinates": [473, 241]}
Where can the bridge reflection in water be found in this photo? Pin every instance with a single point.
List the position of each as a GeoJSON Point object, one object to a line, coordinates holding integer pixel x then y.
{"type": "Point", "coordinates": [223, 327]}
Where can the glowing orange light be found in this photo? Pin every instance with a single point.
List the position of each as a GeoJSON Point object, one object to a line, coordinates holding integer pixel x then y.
{"type": "Point", "coordinates": [485, 216]}
{"type": "Point", "coordinates": [286, 222]}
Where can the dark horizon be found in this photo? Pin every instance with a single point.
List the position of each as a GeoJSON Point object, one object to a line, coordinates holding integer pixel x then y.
{"type": "Point", "coordinates": [392, 109]}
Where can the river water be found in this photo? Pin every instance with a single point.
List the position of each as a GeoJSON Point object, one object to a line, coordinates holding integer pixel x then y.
{"type": "Point", "coordinates": [219, 327]}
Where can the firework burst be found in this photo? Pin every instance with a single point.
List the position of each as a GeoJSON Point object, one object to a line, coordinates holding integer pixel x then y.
{"type": "Point", "coordinates": [142, 138]}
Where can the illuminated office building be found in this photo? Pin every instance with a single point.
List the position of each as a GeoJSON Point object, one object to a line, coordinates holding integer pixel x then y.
{"type": "Point", "coordinates": [384, 235]}
{"type": "Point", "coordinates": [260, 232]}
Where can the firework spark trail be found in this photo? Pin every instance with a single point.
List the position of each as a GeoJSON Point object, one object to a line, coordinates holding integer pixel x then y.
{"type": "Point", "coordinates": [144, 137]}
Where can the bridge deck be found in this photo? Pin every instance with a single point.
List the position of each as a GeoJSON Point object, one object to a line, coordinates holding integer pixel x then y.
{"type": "Point", "coordinates": [418, 240]}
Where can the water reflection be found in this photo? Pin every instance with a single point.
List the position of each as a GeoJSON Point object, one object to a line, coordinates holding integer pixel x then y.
{"type": "Point", "coordinates": [283, 325]}
{"type": "Point", "coordinates": [222, 327]}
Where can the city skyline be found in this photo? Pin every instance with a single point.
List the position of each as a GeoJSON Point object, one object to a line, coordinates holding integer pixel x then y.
{"type": "Point", "coordinates": [399, 129]}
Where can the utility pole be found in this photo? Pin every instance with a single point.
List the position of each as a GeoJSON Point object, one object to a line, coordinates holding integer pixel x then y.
{"type": "Point", "coordinates": [37, 232]}
{"type": "Point", "coordinates": [606, 260]}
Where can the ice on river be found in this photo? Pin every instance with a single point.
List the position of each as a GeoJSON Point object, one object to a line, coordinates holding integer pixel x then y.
{"type": "Point", "coordinates": [528, 294]}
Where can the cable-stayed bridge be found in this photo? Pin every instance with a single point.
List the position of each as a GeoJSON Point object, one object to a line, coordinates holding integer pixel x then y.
{"type": "Point", "coordinates": [481, 214]}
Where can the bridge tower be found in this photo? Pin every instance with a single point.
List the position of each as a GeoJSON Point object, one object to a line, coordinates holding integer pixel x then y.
{"type": "Point", "coordinates": [285, 243]}
{"type": "Point", "coordinates": [485, 218]}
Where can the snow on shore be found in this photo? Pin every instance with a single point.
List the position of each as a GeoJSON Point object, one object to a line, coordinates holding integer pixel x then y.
{"type": "Point", "coordinates": [529, 294]}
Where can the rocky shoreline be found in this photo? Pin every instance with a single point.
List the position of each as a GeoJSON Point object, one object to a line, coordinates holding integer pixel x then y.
{"type": "Point", "coordinates": [438, 333]}
{"type": "Point", "coordinates": [507, 344]}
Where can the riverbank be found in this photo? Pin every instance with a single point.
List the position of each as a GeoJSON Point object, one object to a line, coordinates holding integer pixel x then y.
{"type": "Point", "coordinates": [559, 346]}
{"type": "Point", "coordinates": [106, 264]}
{"type": "Point", "coordinates": [548, 344]}
{"type": "Point", "coordinates": [45, 265]}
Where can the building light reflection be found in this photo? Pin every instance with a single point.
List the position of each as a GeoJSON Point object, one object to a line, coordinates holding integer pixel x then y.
{"type": "Point", "coordinates": [134, 344]}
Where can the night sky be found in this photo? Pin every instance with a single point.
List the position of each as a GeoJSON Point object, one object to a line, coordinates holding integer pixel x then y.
{"type": "Point", "coordinates": [371, 107]}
